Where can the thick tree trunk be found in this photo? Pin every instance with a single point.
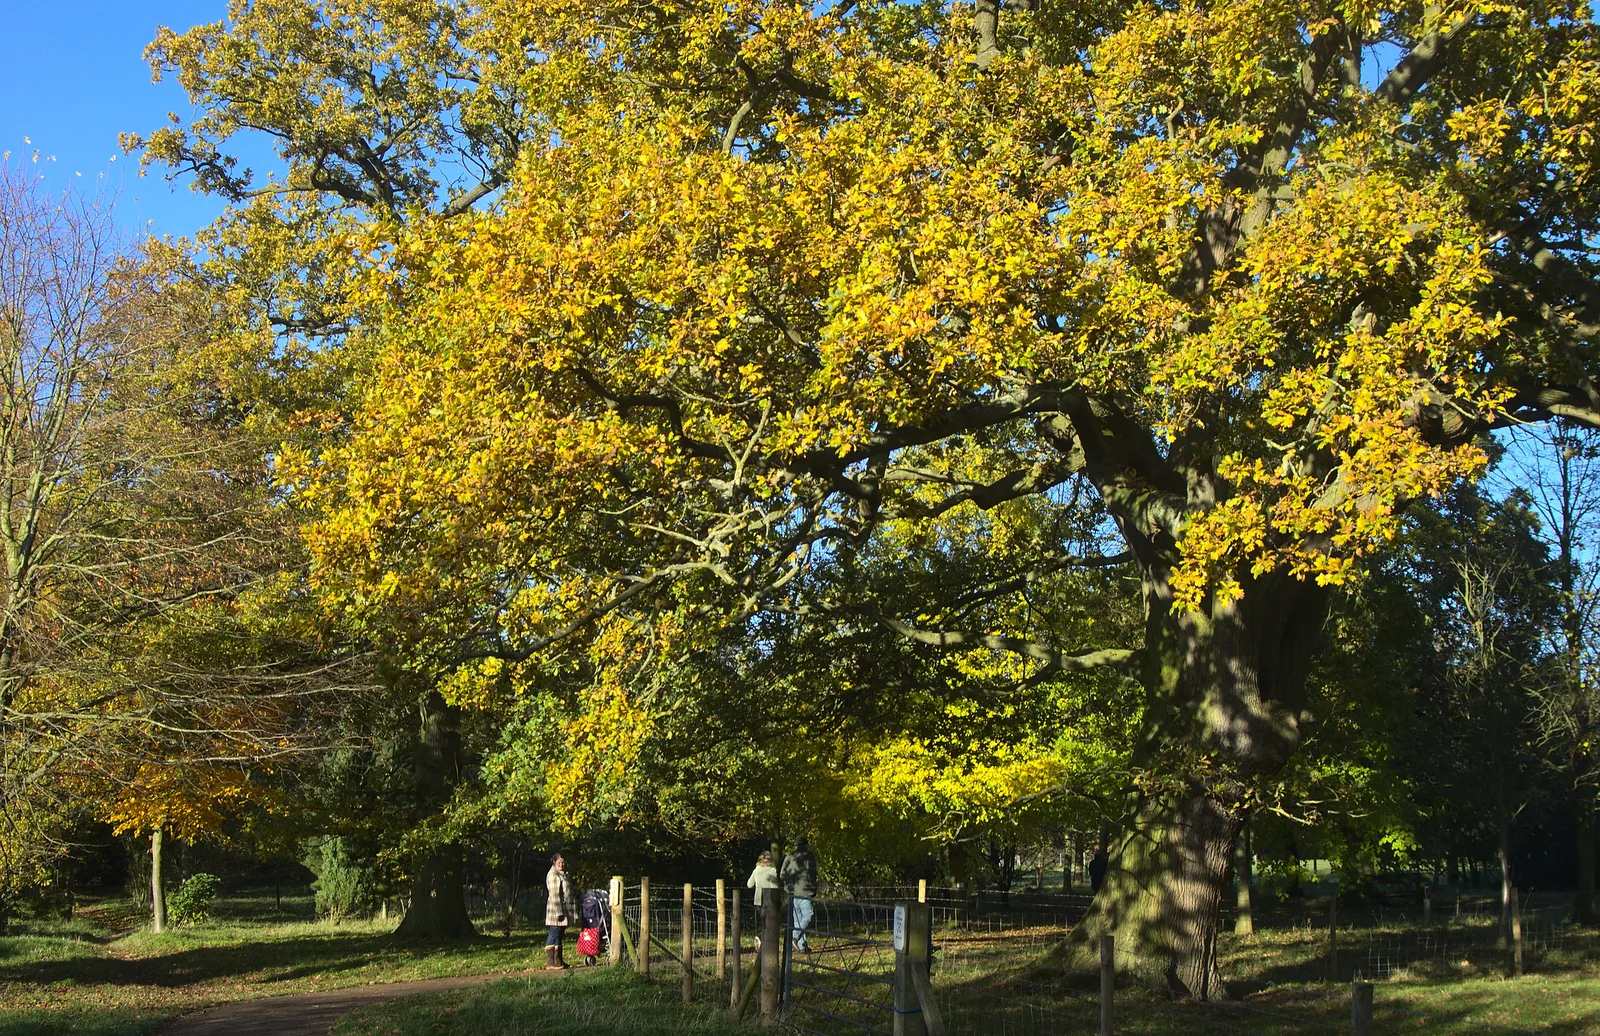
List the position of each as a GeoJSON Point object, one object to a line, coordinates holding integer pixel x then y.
{"type": "Point", "coordinates": [1505, 880]}
{"type": "Point", "coordinates": [1583, 906]}
{"type": "Point", "coordinates": [438, 907]}
{"type": "Point", "coordinates": [1163, 893]}
{"type": "Point", "coordinates": [1244, 922]}
{"type": "Point", "coordinates": [438, 904]}
{"type": "Point", "coordinates": [158, 893]}
{"type": "Point", "coordinates": [1225, 697]}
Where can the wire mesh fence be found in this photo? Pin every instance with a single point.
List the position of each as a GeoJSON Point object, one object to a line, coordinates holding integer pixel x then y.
{"type": "Point", "coordinates": [840, 975]}
{"type": "Point", "coordinates": [1005, 973]}
{"type": "Point", "coordinates": [1475, 945]}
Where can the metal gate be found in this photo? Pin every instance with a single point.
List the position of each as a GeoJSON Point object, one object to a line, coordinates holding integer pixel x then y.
{"type": "Point", "coordinates": [842, 982]}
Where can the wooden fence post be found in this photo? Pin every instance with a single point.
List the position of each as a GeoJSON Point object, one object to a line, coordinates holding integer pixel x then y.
{"type": "Point", "coordinates": [1427, 907]}
{"type": "Point", "coordinates": [1360, 1008]}
{"type": "Point", "coordinates": [922, 890]}
{"type": "Point", "coordinates": [644, 927]}
{"type": "Point", "coordinates": [1333, 938]}
{"type": "Point", "coordinates": [1108, 982]}
{"type": "Point", "coordinates": [738, 950]}
{"type": "Point", "coordinates": [1516, 934]}
{"type": "Point", "coordinates": [913, 960]}
{"type": "Point", "coordinates": [771, 956]}
{"type": "Point", "coordinates": [688, 942]}
{"type": "Point", "coordinates": [910, 958]}
{"type": "Point", "coordinates": [722, 929]}
{"type": "Point", "coordinates": [617, 920]}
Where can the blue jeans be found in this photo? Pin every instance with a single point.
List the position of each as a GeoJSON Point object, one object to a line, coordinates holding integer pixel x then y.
{"type": "Point", "coordinates": [800, 920]}
{"type": "Point", "coordinates": [553, 934]}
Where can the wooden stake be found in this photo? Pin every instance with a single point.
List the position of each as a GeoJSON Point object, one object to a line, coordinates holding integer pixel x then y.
{"type": "Point", "coordinates": [644, 927]}
{"type": "Point", "coordinates": [912, 997]}
{"type": "Point", "coordinates": [733, 987]}
{"type": "Point", "coordinates": [722, 929]}
{"type": "Point", "coordinates": [1516, 934]}
{"type": "Point", "coordinates": [1360, 1008]}
{"type": "Point", "coordinates": [922, 890]}
{"type": "Point", "coordinates": [749, 991]}
{"type": "Point", "coordinates": [688, 943]}
{"type": "Point", "coordinates": [771, 955]}
{"type": "Point", "coordinates": [618, 924]}
{"type": "Point", "coordinates": [1333, 938]}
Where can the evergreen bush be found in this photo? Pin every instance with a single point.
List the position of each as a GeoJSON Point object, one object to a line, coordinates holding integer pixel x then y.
{"type": "Point", "coordinates": [347, 883]}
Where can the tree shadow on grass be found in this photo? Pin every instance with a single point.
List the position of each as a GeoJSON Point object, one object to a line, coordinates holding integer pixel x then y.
{"type": "Point", "coordinates": [1293, 998]}
{"type": "Point", "coordinates": [283, 960]}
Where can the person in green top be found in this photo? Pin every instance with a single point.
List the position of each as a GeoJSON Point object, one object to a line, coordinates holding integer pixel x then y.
{"type": "Point", "coordinates": [800, 879]}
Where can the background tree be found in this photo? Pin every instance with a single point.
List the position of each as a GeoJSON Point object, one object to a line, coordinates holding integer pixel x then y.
{"type": "Point", "coordinates": [145, 623]}
{"type": "Point", "coordinates": [1557, 469]}
{"type": "Point", "coordinates": [1488, 573]}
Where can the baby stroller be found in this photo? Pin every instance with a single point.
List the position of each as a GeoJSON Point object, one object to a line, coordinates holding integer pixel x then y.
{"type": "Point", "coordinates": [594, 938]}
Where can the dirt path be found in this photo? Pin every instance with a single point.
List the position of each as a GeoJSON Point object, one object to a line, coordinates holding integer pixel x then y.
{"type": "Point", "coordinates": [307, 1014]}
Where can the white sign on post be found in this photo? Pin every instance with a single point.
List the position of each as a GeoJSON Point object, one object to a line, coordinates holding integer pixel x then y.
{"type": "Point", "coordinates": [900, 929]}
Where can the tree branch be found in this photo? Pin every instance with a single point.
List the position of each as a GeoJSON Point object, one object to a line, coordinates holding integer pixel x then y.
{"type": "Point", "coordinates": [1426, 57]}
{"type": "Point", "coordinates": [955, 640]}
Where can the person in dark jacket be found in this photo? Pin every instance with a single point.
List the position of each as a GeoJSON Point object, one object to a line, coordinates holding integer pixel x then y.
{"type": "Point", "coordinates": [799, 875]}
{"type": "Point", "coordinates": [1097, 869]}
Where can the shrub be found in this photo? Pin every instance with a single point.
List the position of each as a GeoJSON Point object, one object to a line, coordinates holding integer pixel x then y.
{"type": "Point", "coordinates": [192, 901]}
{"type": "Point", "coordinates": [347, 882]}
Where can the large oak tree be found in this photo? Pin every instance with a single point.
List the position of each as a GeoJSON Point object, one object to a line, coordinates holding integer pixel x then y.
{"type": "Point", "coordinates": [770, 284]}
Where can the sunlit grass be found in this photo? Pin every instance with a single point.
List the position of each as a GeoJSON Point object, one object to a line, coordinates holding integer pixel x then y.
{"type": "Point", "coordinates": [94, 975]}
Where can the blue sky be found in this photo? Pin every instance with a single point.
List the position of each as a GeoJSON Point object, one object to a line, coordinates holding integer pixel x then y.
{"type": "Point", "coordinates": [73, 76]}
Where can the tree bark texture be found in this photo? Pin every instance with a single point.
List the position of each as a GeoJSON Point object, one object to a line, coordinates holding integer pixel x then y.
{"type": "Point", "coordinates": [438, 897]}
{"type": "Point", "coordinates": [1224, 705]}
{"type": "Point", "coordinates": [158, 893]}
{"type": "Point", "coordinates": [1243, 875]}
{"type": "Point", "coordinates": [438, 908]}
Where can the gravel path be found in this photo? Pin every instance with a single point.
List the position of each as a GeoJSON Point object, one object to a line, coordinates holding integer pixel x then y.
{"type": "Point", "coordinates": [306, 1014]}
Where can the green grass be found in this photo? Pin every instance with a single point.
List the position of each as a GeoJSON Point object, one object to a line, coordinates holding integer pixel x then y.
{"type": "Point", "coordinates": [104, 974]}
{"type": "Point", "coordinates": [582, 1002]}
{"type": "Point", "coordinates": [100, 975]}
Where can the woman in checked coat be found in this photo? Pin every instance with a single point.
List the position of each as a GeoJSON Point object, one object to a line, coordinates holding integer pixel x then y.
{"type": "Point", "coordinates": [560, 910]}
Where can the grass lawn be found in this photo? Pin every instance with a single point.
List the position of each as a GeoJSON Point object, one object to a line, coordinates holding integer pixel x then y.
{"type": "Point", "coordinates": [583, 1002]}
{"type": "Point", "coordinates": [100, 974]}
{"type": "Point", "coordinates": [992, 983]}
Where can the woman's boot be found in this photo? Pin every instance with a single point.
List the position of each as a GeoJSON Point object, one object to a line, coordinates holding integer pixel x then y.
{"type": "Point", "coordinates": [552, 961]}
